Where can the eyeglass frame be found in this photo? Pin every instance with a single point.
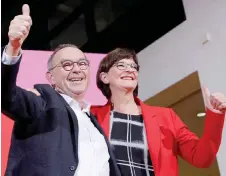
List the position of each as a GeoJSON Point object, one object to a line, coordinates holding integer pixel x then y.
{"type": "Point", "coordinates": [60, 64]}
{"type": "Point", "coordinates": [126, 66]}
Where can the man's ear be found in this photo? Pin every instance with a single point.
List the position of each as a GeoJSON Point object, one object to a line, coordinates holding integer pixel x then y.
{"type": "Point", "coordinates": [50, 78]}
{"type": "Point", "coordinates": [104, 77]}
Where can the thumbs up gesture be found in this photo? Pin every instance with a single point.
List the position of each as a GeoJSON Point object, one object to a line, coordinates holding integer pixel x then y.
{"type": "Point", "coordinates": [215, 102]}
{"type": "Point", "coordinates": [19, 28]}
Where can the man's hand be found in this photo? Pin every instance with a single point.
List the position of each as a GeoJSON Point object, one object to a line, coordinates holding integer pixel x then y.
{"type": "Point", "coordinates": [34, 91]}
{"type": "Point", "coordinates": [216, 102]}
{"type": "Point", "coordinates": [18, 31]}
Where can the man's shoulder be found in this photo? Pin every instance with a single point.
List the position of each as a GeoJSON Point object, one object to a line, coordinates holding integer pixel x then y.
{"type": "Point", "coordinates": [43, 86]}
{"type": "Point", "coordinates": [50, 95]}
{"type": "Point", "coordinates": [45, 89]}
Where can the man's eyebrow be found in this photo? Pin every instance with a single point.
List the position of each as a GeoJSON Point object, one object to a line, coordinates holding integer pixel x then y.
{"type": "Point", "coordinates": [80, 59]}
{"type": "Point", "coordinates": [83, 59]}
{"type": "Point", "coordinates": [62, 60]}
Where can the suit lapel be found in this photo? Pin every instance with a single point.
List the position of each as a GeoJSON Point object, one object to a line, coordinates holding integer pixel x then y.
{"type": "Point", "coordinates": [73, 125]}
{"type": "Point", "coordinates": [96, 124]}
{"type": "Point", "coordinates": [114, 171]}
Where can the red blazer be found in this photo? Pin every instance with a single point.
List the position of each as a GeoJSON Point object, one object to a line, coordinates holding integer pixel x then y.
{"type": "Point", "coordinates": [168, 137]}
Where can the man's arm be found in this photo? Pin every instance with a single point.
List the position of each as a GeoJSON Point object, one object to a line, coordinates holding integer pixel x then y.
{"type": "Point", "coordinates": [18, 103]}
{"type": "Point", "coordinates": [10, 59]}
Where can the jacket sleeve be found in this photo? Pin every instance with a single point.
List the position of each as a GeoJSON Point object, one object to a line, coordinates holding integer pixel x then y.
{"type": "Point", "coordinates": [199, 152]}
{"type": "Point", "coordinates": [17, 103]}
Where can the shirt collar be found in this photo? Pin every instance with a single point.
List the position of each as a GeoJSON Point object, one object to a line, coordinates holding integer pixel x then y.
{"type": "Point", "coordinates": [72, 101]}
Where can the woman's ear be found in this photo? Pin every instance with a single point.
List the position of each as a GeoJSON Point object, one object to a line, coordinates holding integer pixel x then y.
{"type": "Point", "coordinates": [104, 77]}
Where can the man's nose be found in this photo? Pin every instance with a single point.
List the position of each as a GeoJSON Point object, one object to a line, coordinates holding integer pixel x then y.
{"type": "Point", "coordinates": [76, 68]}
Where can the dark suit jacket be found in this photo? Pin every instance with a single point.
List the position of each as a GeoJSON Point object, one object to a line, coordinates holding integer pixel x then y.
{"type": "Point", "coordinates": [45, 134]}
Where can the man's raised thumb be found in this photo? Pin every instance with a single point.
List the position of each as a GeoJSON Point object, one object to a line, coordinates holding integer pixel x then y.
{"type": "Point", "coordinates": [26, 10]}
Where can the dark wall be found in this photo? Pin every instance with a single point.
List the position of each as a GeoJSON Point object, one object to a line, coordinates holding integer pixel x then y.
{"type": "Point", "coordinates": [137, 24]}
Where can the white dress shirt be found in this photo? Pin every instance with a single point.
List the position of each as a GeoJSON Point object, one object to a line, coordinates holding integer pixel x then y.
{"type": "Point", "coordinates": [92, 149]}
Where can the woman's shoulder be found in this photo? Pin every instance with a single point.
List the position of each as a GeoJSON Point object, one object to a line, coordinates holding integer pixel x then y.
{"type": "Point", "coordinates": [150, 107]}
{"type": "Point", "coordinates": [157, 109]}
{"type": "Point", "coordinates": [153, 107]}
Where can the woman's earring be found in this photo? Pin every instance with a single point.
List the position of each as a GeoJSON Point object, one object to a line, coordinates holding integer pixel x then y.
{"type": "Point", "coordinates": [112, 106]}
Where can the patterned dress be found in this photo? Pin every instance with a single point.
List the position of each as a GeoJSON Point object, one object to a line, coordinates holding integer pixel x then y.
{"type": "Point", "coordinates": [128, 138]}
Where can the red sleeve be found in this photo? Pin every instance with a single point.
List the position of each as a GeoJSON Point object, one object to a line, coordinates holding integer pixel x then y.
{"type": "Point", "coordinates": [199, 152]}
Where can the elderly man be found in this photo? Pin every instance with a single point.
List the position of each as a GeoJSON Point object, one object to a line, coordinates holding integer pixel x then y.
{"type": "Point", "coordinates": [54, 134]}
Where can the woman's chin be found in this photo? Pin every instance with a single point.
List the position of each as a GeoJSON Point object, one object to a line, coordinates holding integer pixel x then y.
{"type": "Point", "coordinates": [128, 89]}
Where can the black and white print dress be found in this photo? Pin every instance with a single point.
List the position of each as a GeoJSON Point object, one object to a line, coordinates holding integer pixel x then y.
{"type": "Point", "coordinates": [128, 138]}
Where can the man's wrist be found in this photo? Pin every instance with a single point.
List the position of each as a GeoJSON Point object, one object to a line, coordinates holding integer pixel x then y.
{"type": "Point", "coordinates": [12, 51]}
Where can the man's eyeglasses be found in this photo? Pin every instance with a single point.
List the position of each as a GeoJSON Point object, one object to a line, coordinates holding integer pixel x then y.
{"type": "Point", "coordinates": [68, 65]}
{"type": "Point", "coordinates": [124, 66]}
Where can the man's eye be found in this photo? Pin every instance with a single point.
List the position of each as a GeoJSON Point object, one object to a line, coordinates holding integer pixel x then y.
{"type": "Point", "coordinates": [67, 64]}
{"type": "Point", "coordinates": [82, 63]}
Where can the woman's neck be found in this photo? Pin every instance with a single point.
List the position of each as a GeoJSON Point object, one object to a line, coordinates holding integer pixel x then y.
{"type": "Point", "coordinates": [124, 102]}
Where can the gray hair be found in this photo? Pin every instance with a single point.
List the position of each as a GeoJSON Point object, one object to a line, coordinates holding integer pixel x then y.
{"type": "Point", "coordinates": [58, 48]}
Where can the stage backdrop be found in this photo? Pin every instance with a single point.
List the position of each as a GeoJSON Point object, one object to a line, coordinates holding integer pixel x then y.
{"type": "Point", "coordinates": [32, 71]}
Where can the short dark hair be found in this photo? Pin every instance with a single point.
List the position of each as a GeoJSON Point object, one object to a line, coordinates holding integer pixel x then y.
{"type": "Point", "coordinates": [108, 61]}
{"type": "Point", "coordinates": [58, 48]}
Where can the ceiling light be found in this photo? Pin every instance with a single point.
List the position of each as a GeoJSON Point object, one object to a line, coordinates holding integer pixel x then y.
{"type": "Point", "coordinates": [201, 114]}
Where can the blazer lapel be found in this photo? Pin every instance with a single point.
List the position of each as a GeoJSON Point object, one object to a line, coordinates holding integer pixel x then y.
{"type": "Point", "coordinates": [103, 116]}
{"type": "Point", "coordinates": [153, 133]}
